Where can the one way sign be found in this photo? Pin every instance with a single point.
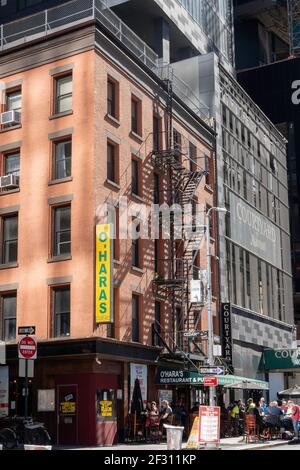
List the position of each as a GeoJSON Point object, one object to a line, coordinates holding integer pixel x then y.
{"type": "Point", "coordinates": [212, 370]}
{"type": "Point", "coordinates": [26, 330]}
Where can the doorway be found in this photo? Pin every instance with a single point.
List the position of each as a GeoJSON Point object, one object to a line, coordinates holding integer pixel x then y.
{"type": "Point", "coordinates": [67, 414]}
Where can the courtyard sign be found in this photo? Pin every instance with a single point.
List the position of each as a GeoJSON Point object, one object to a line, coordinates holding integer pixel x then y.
{"type": "Point", "coordinates": [281, 359]}
{"type": "Point", "coordinates": [254, 232]}
{"type": "Point", "coordinates": [104, 290]}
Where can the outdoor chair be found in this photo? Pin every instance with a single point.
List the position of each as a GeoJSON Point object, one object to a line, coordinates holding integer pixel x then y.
{"type": "Point", "coordinates": [251, 429]}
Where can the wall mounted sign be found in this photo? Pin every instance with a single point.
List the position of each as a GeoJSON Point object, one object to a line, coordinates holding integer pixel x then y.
{"type": "Point", "coordinates": [226, 332]}
{"type": "Point", "coordinates": [104, 274]}
{"type": "Point", "coordinates": [254, 232]}
{"type": "Point", "coordinates": [281, 359]}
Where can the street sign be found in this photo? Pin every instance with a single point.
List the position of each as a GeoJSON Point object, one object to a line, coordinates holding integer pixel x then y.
{"type": "Point", "coordinates": [26, 330]}
{"type": "Point", "coordinates": [210, 381]}
{"type": "Point", "coordinates": [22, 368]}
{"type": "Point", "coordinates": [191, 334]}
{"type": "Point", "coordinates": [27, 348]}
{"type": "Point", "coordinates": [212, 370]}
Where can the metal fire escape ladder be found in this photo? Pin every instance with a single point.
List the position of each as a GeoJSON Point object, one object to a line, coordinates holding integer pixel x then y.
{"type": "Point", "coordinates": [183, 185]}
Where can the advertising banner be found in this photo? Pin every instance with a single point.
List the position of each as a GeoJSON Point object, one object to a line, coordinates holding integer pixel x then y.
{"type": "Point", "coordinates": [140, 372]}
{"type": "Point", "coordinates": [104, 277]}
{"type": "Point", "coordinates": [209, 424]}
{"type": "Point", "coordinates": [4, 391]}
{"type": "Point", "coordinates": [254, 232]}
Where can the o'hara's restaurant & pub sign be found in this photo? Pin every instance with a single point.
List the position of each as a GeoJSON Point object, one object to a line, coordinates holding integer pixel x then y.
{"type": "Point", "coordinates": [167, 376]}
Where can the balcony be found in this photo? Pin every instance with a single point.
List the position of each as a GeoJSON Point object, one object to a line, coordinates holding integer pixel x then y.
{"type": "Point", "coordinates": [78, 12]}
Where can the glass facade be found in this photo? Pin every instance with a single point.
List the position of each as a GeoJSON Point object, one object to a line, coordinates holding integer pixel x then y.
{"type": "Point", "coordinates": [215, 19]}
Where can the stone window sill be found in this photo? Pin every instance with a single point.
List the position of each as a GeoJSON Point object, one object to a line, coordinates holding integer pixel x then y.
{"type": "Point", "coordinates": [56, 259]}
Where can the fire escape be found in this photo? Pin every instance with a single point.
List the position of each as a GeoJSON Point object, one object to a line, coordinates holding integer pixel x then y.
{"type": "Point", "coordinates": [172, 284]}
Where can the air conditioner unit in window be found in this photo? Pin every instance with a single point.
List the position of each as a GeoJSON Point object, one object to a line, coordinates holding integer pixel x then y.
{"type": "Point", "coordinates": [10, 117]}
{"type": "Point", "coordinates": [9, 181]}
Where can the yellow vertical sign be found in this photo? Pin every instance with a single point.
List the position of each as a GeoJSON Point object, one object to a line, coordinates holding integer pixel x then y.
{"type": "Point", "coordinates": [104, 306]}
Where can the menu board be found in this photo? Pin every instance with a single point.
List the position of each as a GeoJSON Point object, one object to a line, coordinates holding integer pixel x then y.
{"type": "Point", "coordinates": [209, 424]}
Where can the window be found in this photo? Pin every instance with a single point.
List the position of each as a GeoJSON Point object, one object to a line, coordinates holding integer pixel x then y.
{"type": "Point", "coordinates": [63, 94]}
{"type": "Point", "coordinates": [135, 325]}
{"type": "Point", "coordinates": [62, 230]}
{"type": "Point", "coordinates": [136, 253]}
{"type": "Point", "coordinates": [61, 311]}
{"type": "Point", "coordinates": [176, 139]}
{"type": "Point", "coordinates": [193, 157]}
{"type": "Point", "coordinates": [209, 170]}
{"type": "Point", "coordinates": [10, 239]}
{"type": "Point", "coordinates": [112, 162]}
{"type": "Point", "coordinates": [62, 159]}
{"type": "Point", "coordinates": [13, 100]}
{"type": "Point", "coordinates": [9, 316]}
{"type": "Point", "coordinates": [112, 98]}
{"type": "Point", "coordinates": [157, 324]}
{"type": "Point", "coordinates": [156, 133]}
{"type": "Point", "coordinates": [11, 164]}
{"type": "Point", "coordinates": [136, 116]}
{"type": "Point", "coordinates": [156, 193]}
{"type": "Point", "coordinates": [135, 176]}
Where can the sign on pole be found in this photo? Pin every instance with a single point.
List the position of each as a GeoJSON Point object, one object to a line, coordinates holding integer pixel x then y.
{"type": "Point", "coordinates": [209, 424]}
{"type": "Point", "coordinates": [2, 352]}
{"type": "Point", "coordinates": [22, 368]}
{"type": "Point", "coordinates": [210, 381]}
{"type": "Point", "coordinates": [26, 330]}
{"type": "Point", "coordinates": [212, 370]}
{"type": "Point", "coordinates": [27, 348]}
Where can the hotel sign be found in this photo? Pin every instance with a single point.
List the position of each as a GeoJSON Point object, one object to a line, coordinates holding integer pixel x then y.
{"type": "Point", "coordinates": [254, 232]}
{"type": "Point", "coordinates": [226, 332]}
{"type": "Point", "coordinates": [104, 274]}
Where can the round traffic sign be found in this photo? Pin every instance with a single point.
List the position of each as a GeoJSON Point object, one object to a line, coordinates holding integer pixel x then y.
{"type": "Point", "coordinates": [27, 348]}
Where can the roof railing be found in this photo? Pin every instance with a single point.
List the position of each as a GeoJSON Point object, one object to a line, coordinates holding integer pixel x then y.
{"type": "Point", "coordinates": [75, 12]}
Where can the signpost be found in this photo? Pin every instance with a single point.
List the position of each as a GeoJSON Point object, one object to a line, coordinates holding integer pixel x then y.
{"type": "Point", "coordinates": [27, 350]}
{"type": "Point", "coordinates": [210, 381]}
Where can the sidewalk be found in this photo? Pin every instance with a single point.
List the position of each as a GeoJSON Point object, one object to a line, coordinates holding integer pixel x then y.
{"type": "Point", "coordinates": [233, 443]}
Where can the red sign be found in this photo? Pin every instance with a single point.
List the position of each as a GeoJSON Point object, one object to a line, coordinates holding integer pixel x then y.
{"type": "Point", "coordinates": [27, 348]}
{"type": "Point", "coordinates": [210, 381]}
{"type": "Point", "coordinates": [209, 424]}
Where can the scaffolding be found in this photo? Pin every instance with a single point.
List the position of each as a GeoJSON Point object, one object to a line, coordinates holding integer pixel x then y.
{"type": "Point", "coordinates": [294, 26]}
{"type": "Point", "coordinates": [172, 283]}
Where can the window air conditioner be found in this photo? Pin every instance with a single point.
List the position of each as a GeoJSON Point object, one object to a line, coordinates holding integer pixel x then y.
{"type": "Point", "coordinates": [10, 117]}
{"type": "Point", "coordinates": [9, 181]}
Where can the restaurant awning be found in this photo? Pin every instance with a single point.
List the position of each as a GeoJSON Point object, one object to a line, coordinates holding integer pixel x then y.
{"type": "Point", "coordinates": [166, 376]}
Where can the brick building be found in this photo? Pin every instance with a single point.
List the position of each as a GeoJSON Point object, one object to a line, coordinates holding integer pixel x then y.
{"type": "Point", "coordinates": [87, 117]}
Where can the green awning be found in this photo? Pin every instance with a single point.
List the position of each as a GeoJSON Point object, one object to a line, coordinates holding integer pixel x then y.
{"type": "Point", "coordinates": [281, 359]}
{"type": "Point", "coordinates": [167, 376]}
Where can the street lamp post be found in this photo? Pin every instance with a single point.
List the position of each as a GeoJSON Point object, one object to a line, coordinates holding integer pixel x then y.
{"type": "Point", "coordinates": [209, 297]}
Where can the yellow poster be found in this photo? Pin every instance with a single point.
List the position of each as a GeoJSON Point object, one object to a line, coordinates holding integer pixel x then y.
{"type": "Point", "coordinates": [106, 408]}
{"type": "Point", "coordinates": [68, 407]}
{"type": "Point", "coordinates": [104, 290]}
{"type": "Point", "coordinates": [193, 441]}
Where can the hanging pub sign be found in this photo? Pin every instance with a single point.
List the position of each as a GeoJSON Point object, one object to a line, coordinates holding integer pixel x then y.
{"type": "Point", "coordinates": [226, 332]}
{"type": "Point", "coordinates": [104, 274]}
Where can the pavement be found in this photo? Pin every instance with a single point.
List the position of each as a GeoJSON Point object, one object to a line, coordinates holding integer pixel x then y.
{"type": "Point", "coordinates": [233, 443]}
